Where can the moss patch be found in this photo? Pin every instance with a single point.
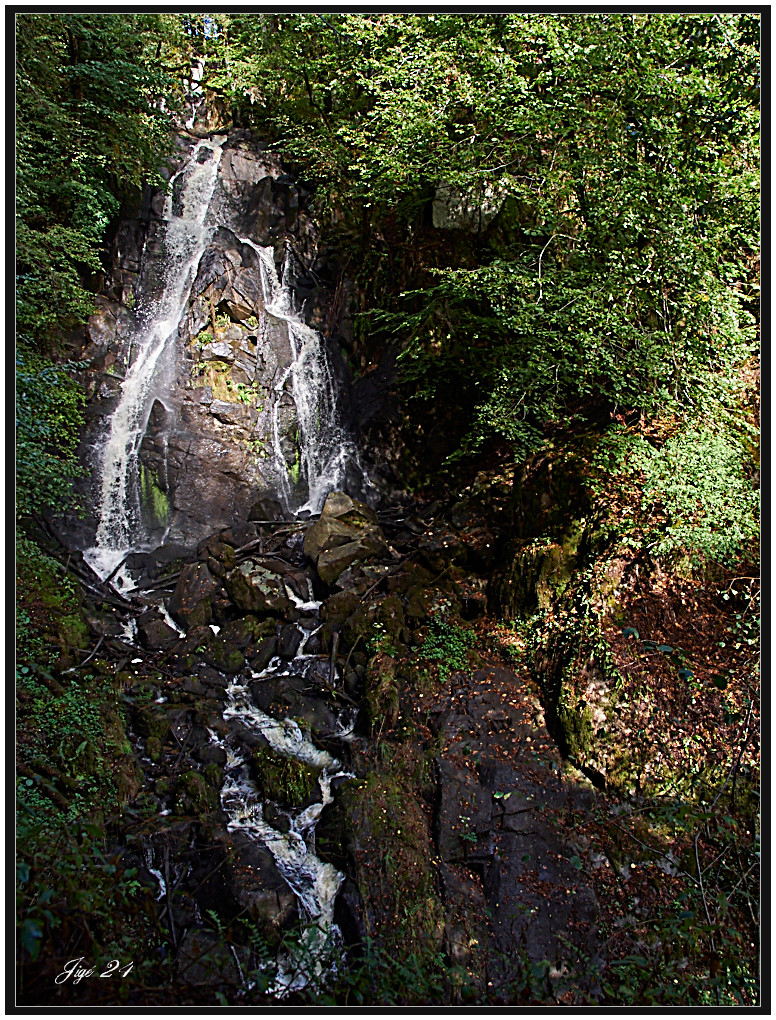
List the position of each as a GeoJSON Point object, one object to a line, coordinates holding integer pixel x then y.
{"type": "Point", "coordinates": [153, 499]}
{"type": "Point", "coordinates": [380, 824]}
{"type": "Point", "coordinates": [284, 780]}
{"type": "Point", "coordinates": [382, 693]}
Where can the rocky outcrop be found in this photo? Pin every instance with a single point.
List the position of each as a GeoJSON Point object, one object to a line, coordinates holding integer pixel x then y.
{"type": "Point", "coordinates": [212, 442]}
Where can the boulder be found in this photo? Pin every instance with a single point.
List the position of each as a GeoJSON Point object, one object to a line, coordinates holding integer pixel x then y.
{"type": "Point", "coordinates": [347, 532]}
{"type": "Point", "coordinates": [255, 589]}
{"type": "Point", "coordinates": [258, 886]}
{"type": "Point", "coordinates": [289, 697]}
{"type": "Point", "coordinates": [333, 562]}
{"type": "Point", "coordinates": [191, 602]}
{"type": "Point", "coordinates": [156, 634]}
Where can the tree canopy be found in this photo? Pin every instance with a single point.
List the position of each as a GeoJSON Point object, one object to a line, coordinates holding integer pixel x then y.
{"type": "Point", "coordinates": [620, 153]}
{"type": "Point", "coordinates": [622, 150]}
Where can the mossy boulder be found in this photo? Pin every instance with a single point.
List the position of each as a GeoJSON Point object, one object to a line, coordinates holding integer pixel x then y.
{"type": "Point", "coordinates": [390, 616]}
{"type": "Point", "coordinates": [379, 833]}
{"type": "Point", "coordinates": [223, 655]}
{"type": "Point", "coordinates": [218, 555]}
{"type": "Point", "coordinates": [194, 795]}
{"type": "Point", "coordinates": [151, 721]}
{"type": "Point", "coordinates": [246, 631]}
{"type": "Point", "coordinates": [153, 747]}
{"type": "Point", "coordinates": [286, 781]}
{"type": "Point", "coordinates": [254, 589]}
{"type": "Point", "coordinates": [339, 607]}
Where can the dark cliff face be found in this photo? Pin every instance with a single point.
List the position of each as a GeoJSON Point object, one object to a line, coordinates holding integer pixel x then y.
{"type": "Point", "coordinates": [224, 412]}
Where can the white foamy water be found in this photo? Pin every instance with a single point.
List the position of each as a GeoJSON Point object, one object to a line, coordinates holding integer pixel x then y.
{"type": "Point", "coordinates": [326, 448]}
{"type": "Point", "coordinates": [186, 236]}
{"type": "Point", "coordinates": [314, 882]}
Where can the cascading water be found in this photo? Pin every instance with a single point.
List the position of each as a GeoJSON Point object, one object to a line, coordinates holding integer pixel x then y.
{"type": "Point", "coordinates": [187, 233]}
{"type": "Point", "coordinates": [327, 458]}
{"type": "Point", "coordinates": [314, 882]}
{"type": "Point", "coordinates": [326, 450]}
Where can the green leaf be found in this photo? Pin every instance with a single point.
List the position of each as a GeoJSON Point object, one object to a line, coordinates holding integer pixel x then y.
{"type": "Point", "coordinates": [31, 933]}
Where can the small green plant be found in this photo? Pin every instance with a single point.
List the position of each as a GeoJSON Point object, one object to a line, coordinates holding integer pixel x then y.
{"type": "Point", "coordinates": [447, 644]}
{"type": "Point", "coordinates": [467, 833]}
{"type": "Point", "coordinates": [245, 394]}
{"type": "Point", "coordinates": [379, 642]}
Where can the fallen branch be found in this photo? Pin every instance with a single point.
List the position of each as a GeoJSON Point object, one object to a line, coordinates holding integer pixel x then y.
{"type": "Point", "coordinates": [334, 646]}
{"type": "Point", "coordinates": [72, 669]}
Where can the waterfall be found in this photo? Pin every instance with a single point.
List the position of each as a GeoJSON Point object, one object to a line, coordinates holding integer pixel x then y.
{"type": "Point", "coordinates": [327, 457]}
{"type": "Point", "coordinates": [326, 450]}
{"type": "Point", "coordinates": [186, 235]}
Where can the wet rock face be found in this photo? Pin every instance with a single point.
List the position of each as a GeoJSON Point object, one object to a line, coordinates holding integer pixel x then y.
{"type": "Point", "coordinates": [208, 450]}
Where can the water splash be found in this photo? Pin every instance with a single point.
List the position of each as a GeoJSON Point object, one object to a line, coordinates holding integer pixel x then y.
{"type": "Point", "coordinates": [187, 233]}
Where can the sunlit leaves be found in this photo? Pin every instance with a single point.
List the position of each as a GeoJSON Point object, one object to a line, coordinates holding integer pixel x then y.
{"type": "Point", "coordinates": [623, 148]}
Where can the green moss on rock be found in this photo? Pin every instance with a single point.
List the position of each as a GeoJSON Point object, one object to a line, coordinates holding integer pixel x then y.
{"type": "Point", "coordinates": [284, 780]}
{"type": "Point", "coordinates": [577, 726]}
{"type": "Point", "coordinates": [194, 795]}
{"type": "Point", "coordinates": [379, 824]}
{"type": "Point", "coordinates": [154, 502]}
{"type": "Point", "coordinates": [382, 693]}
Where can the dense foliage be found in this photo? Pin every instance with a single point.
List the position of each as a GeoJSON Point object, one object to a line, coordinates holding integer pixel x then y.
{"type": "Point", "coordinates": [620, 153]}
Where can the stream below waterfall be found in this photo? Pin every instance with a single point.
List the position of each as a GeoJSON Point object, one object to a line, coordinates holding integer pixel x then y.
{"type": "Point", "coordinates": [193, 212]}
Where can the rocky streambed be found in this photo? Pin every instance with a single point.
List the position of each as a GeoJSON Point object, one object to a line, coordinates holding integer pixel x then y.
{"type": "Point", "coordinates": [325, 774]}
